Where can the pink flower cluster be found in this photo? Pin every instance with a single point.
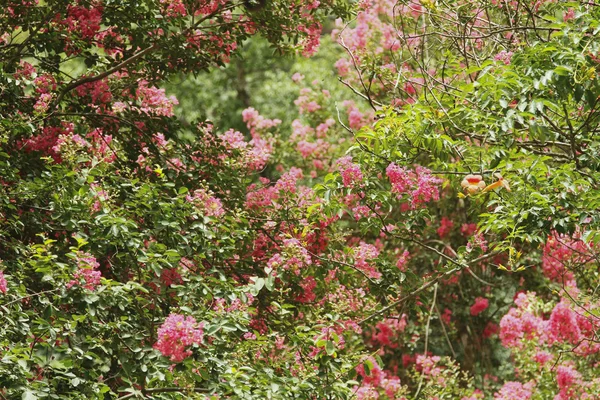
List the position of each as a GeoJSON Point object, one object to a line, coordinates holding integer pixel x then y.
{"type": "Point", "coordinates": [387, 331]}
{"type": "Point", "coordinates": [174, 8]}
{"type": "Point", "coordinates": [565, 325]}
{"type": "Point", "coordinates": [86, 275]}
{"type": "Point", "coordinates": [43, 102]}
{"type": "Point", "coordinates": [85, 21]}
{"type": "Point", "coordinates": [25, 71]}
{"type": "Point", "coordinates": [569, 15]}
{"type": "Point", "coordinates": [562, 253]}
{"type": "Point", "coordinates": [521, 323]}
{"type": "Point", "coordinates": [261, 196]}
{"type": "Point", "coordinates": [351, 173]}
{"type": "Point", "coordinates": [154, 101]}
{"type": "Point", "coordinates": [445, 228]}
{"type": "Point", "coordinates": [233, 140]}
{"type": "Point", "coordinates": [46, 141]}
{"type": "Point", "coordinates": [515, 391]}
{"type": "Point", "coordinates": [307, 295]}
{"type": "Point", "coordinates": [428, 365]}
{"type": "Point", "coordinates": [364, 255]}
{"type": "Point", "coordinates": [419, 185]}
{"type": "Point", "coordinates": [98, 145]}
{"type": "Point", "coordinates": [44, 83]}
{"type": "Point", "coordinates": [356, 119]}
{"type": "Point", "coordinates": [477, 240]}
{"type": "Point", "coordinates": [306, 104]}
{"type": "Point", "coordinates": [210, 205]}
{"type": "Point", "coordinates": [287, 182]}
{"type": "Point", "coordinates": [254, 154]}
{"type": "Point", "coordinates": [293, 257]}
{"type": "Point", "coordinates": [176, 334]}
{"type": "Point", "coordinates": [312, 40]}
{"type": "Point", "coordinates": [403, 260]}
{"type": "Point", "coordinates": [481, 304]}
{"type": "Point", "coordinates": [375, 380]}
{"type": "Point", "coordinates": [254, 121]}
{"type": "Point", "coordinates": [3, 283]}
{"type": "Point", "coordinates": [504, 56]}
{"type": "Point", "coordinates": [567, 379]}
{"type": "Point", "coordinates": [259, 153]}
{"type": "Point", "coordinates": [315, 149]}
{"type": "Point", "coordinates": [100, 196]}
{"type": "Point", "coordinates": [99, 91]}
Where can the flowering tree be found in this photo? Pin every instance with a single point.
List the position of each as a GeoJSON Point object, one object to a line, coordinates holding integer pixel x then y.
{"type": "Point", "coordinates": [433, 235]}
{"type": "Point", "coordinates": [498, 99]}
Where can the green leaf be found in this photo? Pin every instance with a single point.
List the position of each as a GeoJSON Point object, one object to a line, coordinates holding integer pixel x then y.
{"type": "Point", "coordinates": [29, 395]}
{"type": "Point", "coordinates": [329, 348]}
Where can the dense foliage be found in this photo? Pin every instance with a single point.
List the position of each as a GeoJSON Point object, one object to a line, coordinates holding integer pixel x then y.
{"type": "Point", "coordinates": [426, 228]}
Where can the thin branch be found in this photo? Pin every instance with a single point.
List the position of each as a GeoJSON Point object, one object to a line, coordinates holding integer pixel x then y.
{"type": "Point", "coordinates": [435, 288]}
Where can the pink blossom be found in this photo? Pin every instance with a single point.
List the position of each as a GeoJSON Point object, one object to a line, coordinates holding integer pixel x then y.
{"type": "Point", "coordinates": [287, 182]}
{"type": "Point", "coordinates": [563, 326]}
{"type": "Point", "coordinates": [388, 330]}
{"type": "Point", "coordinates": [480, 305]}
{"type": "Point", "coordinates": [445, 227]}
{"type": "Point", "coordinates": [293, 257]}
{"type": "Point", "coordinates": [177, 333]}
{"type": "Point", "coordinates": [299, 131]}
{"type": "Point", "coordinates": [160, 140]}
{"type": "Point", "coordinates": [515, 391]}
{"type": "Point", "coordinates": [566, 378]}
{"type": "Point", "coordinates": [542, 357]}
{"type": "Point", "coordinates": [297, 77]}
{"type": "Point", "coordinates": [351, 173]}
{"type": "Point", "coordinates": [504, 56]}
{"type": "Point", "coordinates": [154, 100]}
{"type": "Point", "coordinates": [355, 118]}
{"type": "Point", "coordinates": [119, 107]}
{"type": "Point", "coordinates": [427, 187]}
{"type": "Point", "coordinates": [366, 392]}
{"type": "Point", "coordinates": [517, 325]}
{"type": "Point", "coordinates": [86, 274]}
{"type": "Point", "coordinates": [427, 365]}
{"type": "Point", "coordinates": [468, 229]}
{"type": "Point", "coordinates": [361, 211]}
{"type": "Point", "coordinates": [306, 149]}
{"type": "Point", "coordinates": [403, 260]}
{"type": "Point", "coordinates": [259, 153]}
{"type": "Point", "coordinates": [233, 140]}
{"type": "Point", "coordinates": [206, 202]}
{"type": "Point", "coordinates": [44, 83]}
{"type": "Point", "coordinates": [3, 283]}
{"type": "Point", "coordinates": [399, 178]}
{"type": "Point", "coordinates": [420, 186]}
{"type": "Point", "coordinates": [256, 121]}
{"type": "Point", "coordinates": [42, 103]}
{"type": "Point", "coordinates": [375, 376]}
{"type": "Point", "coordinates": [305, 103]}
{"type": "Point", "coordinates": [478, 240]}
{"type": "Point", "coordinates": [560, 253]}
{"type": "Point", "coordinates": [308, 284]}
{"type": "Point", "coordinates": [26, 71]}
{"type": "Point", "coordinates": [99, 91]}
{"type": "Point", "coordinates": [312, 40]}
{"type": "Point", "coordinates": [364, 254]}
{"type": "Point", "coordinates": [569, 15]}
{"type": "Point", "coordinates": [174, 8]}
{"type": "Point", "coordinates": [85, 21]}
